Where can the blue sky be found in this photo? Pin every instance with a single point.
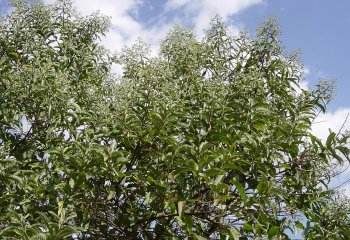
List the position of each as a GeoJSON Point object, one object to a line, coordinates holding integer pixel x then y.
{"type": "Point", "coordinates": [319, 28]}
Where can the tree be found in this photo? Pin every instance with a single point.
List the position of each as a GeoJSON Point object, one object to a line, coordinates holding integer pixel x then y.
{"type": "Point", "coordinates": [209, 139]}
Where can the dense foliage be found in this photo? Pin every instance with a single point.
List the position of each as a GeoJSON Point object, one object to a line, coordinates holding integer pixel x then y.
{"type": "Point", "coordinates": [208, 139]}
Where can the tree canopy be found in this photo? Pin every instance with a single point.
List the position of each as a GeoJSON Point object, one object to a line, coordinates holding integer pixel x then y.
{"type": "Point", "coordinates": [208, 139]}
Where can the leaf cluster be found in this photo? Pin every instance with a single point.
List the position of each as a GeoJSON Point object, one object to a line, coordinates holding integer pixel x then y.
{"type": "Point", "coordinates": [209, 139]}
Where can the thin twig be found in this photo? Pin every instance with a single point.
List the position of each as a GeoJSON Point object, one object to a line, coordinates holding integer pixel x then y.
{"type": "Point", "coordinates": [320, 122]}
{"type": "Point", "coordinates": [342, 126]}
{"type": "Point", "coordinates": [21, 141]}
{"type": "Point", "coordinates": [342, 184]}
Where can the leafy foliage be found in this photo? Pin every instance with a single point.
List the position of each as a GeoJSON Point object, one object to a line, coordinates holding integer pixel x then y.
{"type": "Point", "coordinates": [209, 139]}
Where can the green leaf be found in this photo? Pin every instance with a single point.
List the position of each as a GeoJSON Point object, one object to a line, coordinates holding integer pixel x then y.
{"type": "Point", "coordinates": [16, 178]}
{"type": "Point", "coordinates": [247, 227]}
{"type": "Point", "coordinates": [199, 237]}
{"type": "Point", "coordinates": [213, 172]}
{"type": "Point", "coordinates": [299, 225]}
{"type": "Point", "coordinates": [14, 55]}
{"type": "Point", "coordinates": [204, 146]}
{"type": "Point", "coordinates": [71, 183]}
{"type": "Point", "coordinates": [259, 126]}
{"type": "Point", "coordinates": [39, 236]}
{"type": "Point", "coordinates": [262, 185]}
{"type": "Point", "coordinates": [234, 233]}
{"type": "Point", "coordinates": [218, 179]}
{"type": "Point", "coordinates": [240, 190]}
{"type": "Point", "coordinates": [330, 139]}
{"type": "Point", "coordinates": [111, 195]}
{"type": "Point", "coordinates": [180, 207]}
{"type": "Point", "coordinates": [273, 231]}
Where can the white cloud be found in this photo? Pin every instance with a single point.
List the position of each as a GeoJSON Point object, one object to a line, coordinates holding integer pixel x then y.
{"type": "Point", "coordinates": [337, 121]}
{"type": "Point", "coordinates": [199, 12]}
{"type": "Point", "coordinates": [306, 72]}
{"type": "Point", "coordinates": [346, 189]}
{"type": "Point", "coordinates": [331, 120]}
{"type": "Point", "coordinates": [126, 29]}
{"type": "Point", "coordinates": [304, 85]}
{"type": "Point", "coordinates": [174, 4]}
